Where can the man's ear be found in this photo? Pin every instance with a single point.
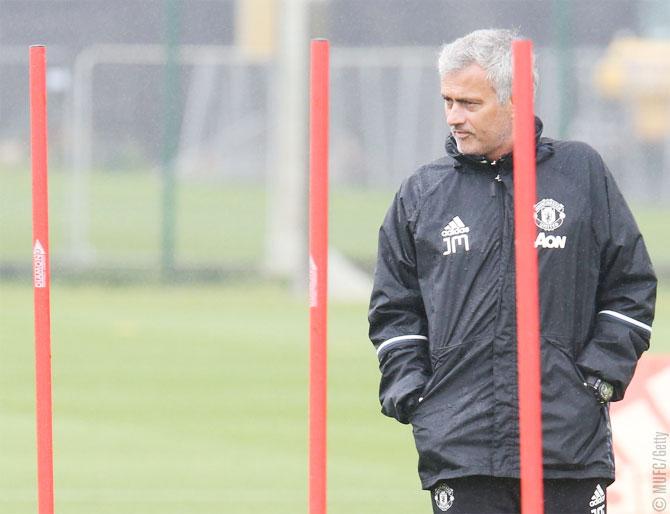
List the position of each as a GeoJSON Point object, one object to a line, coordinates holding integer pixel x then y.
{"type": "Point", "coordinates": [510, 106]}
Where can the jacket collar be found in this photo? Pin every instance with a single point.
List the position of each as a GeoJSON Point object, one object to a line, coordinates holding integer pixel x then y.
{"type": "Point", "coordinates": [544, 149]}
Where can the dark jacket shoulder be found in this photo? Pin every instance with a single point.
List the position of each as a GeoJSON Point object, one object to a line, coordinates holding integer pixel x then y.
{"type": "Point", "coordinates": [415, 188]}
{"type": "Point", "coordinates": [577, 151]}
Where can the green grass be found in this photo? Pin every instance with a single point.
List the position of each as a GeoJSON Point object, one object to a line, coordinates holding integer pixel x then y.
{"type": "Point", "coordinates": [194, 400]}
{"type": "Point", "coordinates": [185, 399]}
{"type": "Point", "coordinates": [217, 223]}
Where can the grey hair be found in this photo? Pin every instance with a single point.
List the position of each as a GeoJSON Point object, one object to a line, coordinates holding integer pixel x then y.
{"type": "Point", "coordinates": [492, 50]}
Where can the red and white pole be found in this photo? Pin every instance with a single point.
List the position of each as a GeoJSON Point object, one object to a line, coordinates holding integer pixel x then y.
{"type": "Point", "coordinates": [527, 283]}
{"type": "Point", "coordinates": [41, 278]}
{"type": "Point", "coordinates": [318, 273]}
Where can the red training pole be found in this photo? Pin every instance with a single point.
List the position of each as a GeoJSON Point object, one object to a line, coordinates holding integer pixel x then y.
{"type": "Point", "coordinates": [527, 298]}
{"type": "Point", "coordinates": [41, 276]}
{"type": "Point", "coordinates": [318, 273]}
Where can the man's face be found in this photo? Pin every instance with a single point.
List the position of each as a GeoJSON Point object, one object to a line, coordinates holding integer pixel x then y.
{"type": "Point", "coordinates": [478, 122]}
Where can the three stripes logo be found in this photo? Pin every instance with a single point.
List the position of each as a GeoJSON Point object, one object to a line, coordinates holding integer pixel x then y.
{"type": "Point", "coordinates": [455, 234]}
{"type": "Point", "coordinates": [597, 503]}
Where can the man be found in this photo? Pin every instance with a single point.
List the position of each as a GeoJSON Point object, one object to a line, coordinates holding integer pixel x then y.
{"type": "Point", "coordinates": [442, 312]}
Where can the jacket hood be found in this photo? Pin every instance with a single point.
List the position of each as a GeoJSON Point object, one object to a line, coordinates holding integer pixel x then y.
{"type": "Point", "coordinates": [544, 149]}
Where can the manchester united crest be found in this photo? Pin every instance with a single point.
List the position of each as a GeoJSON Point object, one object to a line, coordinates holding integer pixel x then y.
{"type": "Point", "coordinates": [444, 497]}
{"type": "Point", "coordinates": [549, 214]}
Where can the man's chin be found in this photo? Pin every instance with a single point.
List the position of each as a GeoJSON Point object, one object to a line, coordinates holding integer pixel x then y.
{"type": "Point", "coordinates": [468, 149]}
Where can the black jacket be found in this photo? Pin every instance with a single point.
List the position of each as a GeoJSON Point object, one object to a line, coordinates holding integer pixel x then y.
{"type": "Point", "coordinates": [442, 312]}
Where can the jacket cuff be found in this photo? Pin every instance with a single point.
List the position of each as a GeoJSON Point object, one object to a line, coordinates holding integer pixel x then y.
{"type": "Point", "coordinates": [405, 371]}
{"type": "Point", "coordinates": [613, 352]}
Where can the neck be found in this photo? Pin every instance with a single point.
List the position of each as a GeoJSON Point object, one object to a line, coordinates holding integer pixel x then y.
{"type": "Point", "coordinates": [500, 152]}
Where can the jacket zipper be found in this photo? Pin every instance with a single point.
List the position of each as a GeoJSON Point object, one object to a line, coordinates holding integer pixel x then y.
{"type": "Point", "coordinates": [499, 188]}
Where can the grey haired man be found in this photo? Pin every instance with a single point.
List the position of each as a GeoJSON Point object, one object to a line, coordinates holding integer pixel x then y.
{"type": "Point", "coordinates": [442, 311]}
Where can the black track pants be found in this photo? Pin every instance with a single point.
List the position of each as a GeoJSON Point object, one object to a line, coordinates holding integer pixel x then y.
{"type": "Point", "coordinates": [491, 495]}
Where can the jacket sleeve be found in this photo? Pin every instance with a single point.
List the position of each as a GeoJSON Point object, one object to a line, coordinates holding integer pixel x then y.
{"type": "Point", "coordinates": [398, 324]}
{"type": "Point", "coordinates": [626, 293]}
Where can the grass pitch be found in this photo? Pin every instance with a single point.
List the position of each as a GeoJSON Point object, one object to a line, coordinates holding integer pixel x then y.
{"type": "Point", "coordinates": [190, 399]}
{"type": "Point", "coordinates": [184, 399]}
{"type": "Point", "coordinates": [217, 223]}
{"type": "Point", "coordinates": [194, 400]}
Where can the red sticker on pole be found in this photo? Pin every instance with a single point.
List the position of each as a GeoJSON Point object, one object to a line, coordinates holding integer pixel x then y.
{"type": "Point", "coordinates": [527, 296]}
{"type": "Point", "coordinates": [38, 140]}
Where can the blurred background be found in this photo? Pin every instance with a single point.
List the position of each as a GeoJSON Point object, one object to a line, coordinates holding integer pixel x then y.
{"type": "Point", "coordinates": [178, 185]}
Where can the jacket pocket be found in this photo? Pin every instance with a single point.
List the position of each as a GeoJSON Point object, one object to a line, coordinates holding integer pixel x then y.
{"type": "Point", "coordinates": [574, 432]}
{"type": "Point", "coordinates": [442, 361]}
{"type": "Point", "coordinates": [452, 425]}
{"type": "Point", "coordinates": [451, 363]}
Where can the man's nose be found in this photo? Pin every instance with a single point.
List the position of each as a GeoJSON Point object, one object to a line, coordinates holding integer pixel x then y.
{"type": "Point", "coordinates": [455, 115]}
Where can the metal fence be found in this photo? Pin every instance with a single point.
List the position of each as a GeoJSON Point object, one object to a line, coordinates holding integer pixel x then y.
{"type": "Point", "coordinates": [107, 114]}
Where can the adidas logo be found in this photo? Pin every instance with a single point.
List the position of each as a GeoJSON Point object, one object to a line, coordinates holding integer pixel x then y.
{"type": "Point", "coordinates": [455, 227]}
{"type": "Point", "coordinates": [455, 234]}
{"type": "Point", "coordinates": [598, 498]}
